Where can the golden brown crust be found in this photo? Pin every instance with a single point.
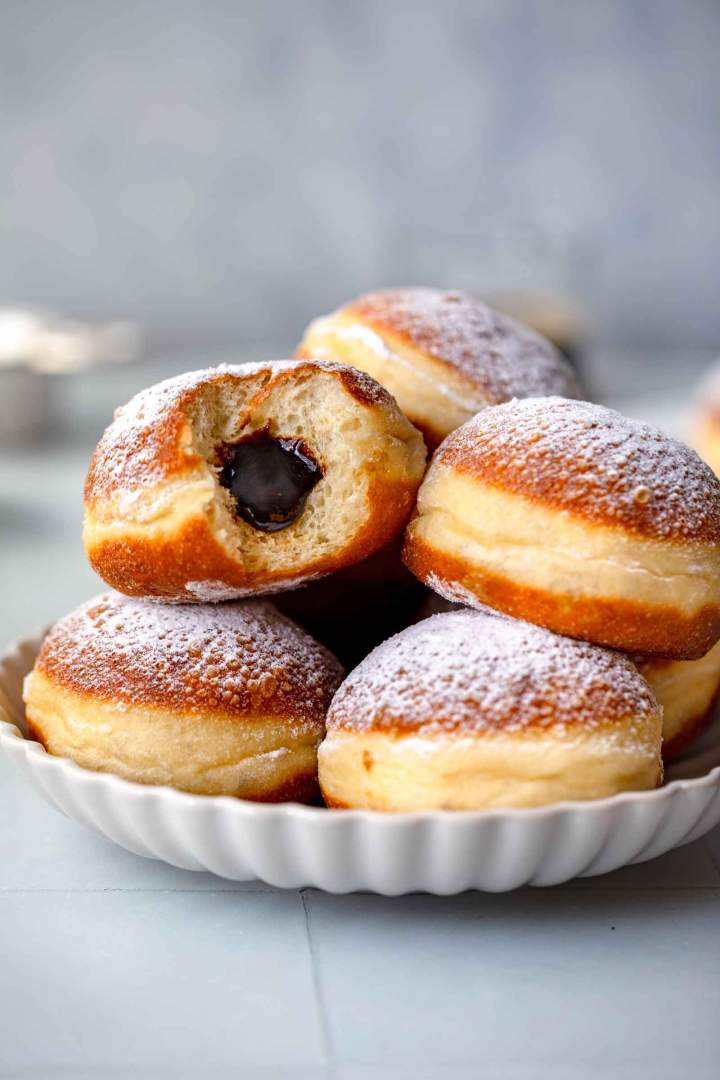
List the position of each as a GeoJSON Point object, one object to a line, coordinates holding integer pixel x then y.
{"type": "Point", "coordinates": [240, 659]}
{"type": "Point", "coordinates": [163, 566]}
{"type": "Point", "coordinates": [335, 804]}
{"type": "Point", "coordinates": [301, 789]}
{"type": "Point", "coordinates": [217, 700]}
{"type": "Point", "coordinates": [616, 623]}
{"type": "Point", "coordinates": [35, 731]}
{"type": "Point", "coordinates": [499, 356]}
{"type": "Point", "coordinates": [592, 462]}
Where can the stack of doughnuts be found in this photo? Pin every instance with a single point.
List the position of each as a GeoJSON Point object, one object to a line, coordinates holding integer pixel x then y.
{"type": "Point", "coordinates": [205, 493]}
{"type": "Point", "coordinates": [532, 616]}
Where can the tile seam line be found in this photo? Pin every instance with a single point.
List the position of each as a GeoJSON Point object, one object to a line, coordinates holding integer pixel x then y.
{"type": "Point", "coordinates": [327, 1042]}
{"type": "Point", "coordinates": [270, 891]}
{"type": "Point", "coordinates": [538, 890]}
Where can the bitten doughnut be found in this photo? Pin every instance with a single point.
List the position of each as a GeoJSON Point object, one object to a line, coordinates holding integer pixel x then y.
{"type": "Point", "coordinates": [443, 355]}
{"type": "Point", "coordinates": [687, 691]}
{"type": "Point", "coordinates": [468, 711]}
{"type": "Point", "coordinates": [227, 700]}
{"type": "Point", "coordinates": [573, 517]}
{"type": "Point", "coordinates": [236, 481]}
{"type": "Point", "coordinates": [706, 426]}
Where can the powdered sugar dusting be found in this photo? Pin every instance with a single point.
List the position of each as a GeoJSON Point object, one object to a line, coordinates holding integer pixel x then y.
{"type": "Point", "coordinates": [466, 671]}
{"type": "Point", "coordinates": [501, 357]}
{"type": "Point", "coordinates": [213, 592]}
{"type": "Point", "coordinates": [239, 658]}
{"type": "Point", "coordinates": [143, 443]}
{"type": "Point", "coordinates": [451, 591]}
{"type": "Point", "coordinates": [593, 461]}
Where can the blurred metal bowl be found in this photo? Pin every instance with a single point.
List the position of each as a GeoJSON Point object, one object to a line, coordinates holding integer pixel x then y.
{"type": "Point", "coordinates": [25, 405]}
{"type": "Point", "coordinates": [35, 345]}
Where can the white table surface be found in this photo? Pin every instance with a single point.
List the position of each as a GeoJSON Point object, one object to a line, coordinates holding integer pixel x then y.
{"type": "Point", "coordinates": [113, 965]}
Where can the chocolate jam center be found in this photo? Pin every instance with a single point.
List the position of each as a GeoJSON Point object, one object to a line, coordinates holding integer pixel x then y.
{"type": "Point", "coordinates": [269, 479]}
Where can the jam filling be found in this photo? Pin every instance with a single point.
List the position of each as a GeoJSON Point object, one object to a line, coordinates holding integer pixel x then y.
{"type": "Point", "coordinates": [269, 478]}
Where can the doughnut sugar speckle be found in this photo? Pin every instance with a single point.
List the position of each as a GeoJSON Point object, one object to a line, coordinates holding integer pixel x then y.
{"type": "Point", "coordinates": [496, 353]}
{"type": "Point", "coordinates": [592, 461]}
{"type": "Point", "coordinates": [573, 517]}
{"type": "Point", "coordinates": [444, 355]}
{"type": "Point", "coordinates": [238, 657]}
{"type": "Point", "coordinates": [468, 710]}
{"type": "Point", "coordinates": [224, 699]}
{"type": "Point", "coordinates": [476, 672]}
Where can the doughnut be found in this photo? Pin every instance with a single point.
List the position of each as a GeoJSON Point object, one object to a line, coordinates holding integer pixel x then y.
{"type": "Point", "coordinates": [687, 691]}
{"type": "Point", "coordinates": [216, 700]}
{"type": "Point", "coordinates": [573, 517]}
{"type": "Point", "coordinates": [470, 711]}
{"type": "Point", "coordinates": [355, 609]}
{"type": "Point", "coordinates": [443, 355]}
{"type": "Point", "coordinates": [238, 481]}
{"type": "Point", "coordinates": [706, 425]}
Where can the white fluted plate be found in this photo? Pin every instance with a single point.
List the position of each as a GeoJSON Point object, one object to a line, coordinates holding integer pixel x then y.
{"type": "Point", "coordinates": [440, 852]}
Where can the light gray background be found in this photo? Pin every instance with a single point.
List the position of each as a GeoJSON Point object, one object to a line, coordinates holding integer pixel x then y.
{"type": "Point", "coordinates": [223, 169]}
{"type": "Point", "coordinates": [220, 171]}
